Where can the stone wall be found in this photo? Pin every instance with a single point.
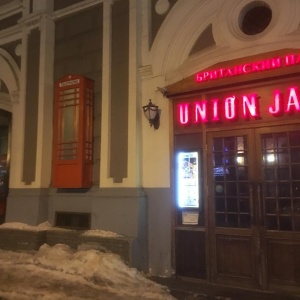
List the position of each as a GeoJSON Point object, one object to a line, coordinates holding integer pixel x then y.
{"type": "Point", "coordinates": [28, 240]}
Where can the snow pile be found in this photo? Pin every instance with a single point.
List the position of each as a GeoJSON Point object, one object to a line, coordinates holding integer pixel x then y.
{"type": "Point", "coordinates": [23, 226]}
{"type": "Point", "coordinates": [48, 226]}
{"type": "Point", "coordinates": [60, 273]}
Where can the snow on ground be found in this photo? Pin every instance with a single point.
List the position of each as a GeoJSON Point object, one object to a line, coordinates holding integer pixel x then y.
{"type": "Point", "coordinates": [60, 273]}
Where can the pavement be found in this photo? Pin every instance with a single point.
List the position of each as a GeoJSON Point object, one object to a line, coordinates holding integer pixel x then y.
{"type": "Point", "coordinates": [185, 289]}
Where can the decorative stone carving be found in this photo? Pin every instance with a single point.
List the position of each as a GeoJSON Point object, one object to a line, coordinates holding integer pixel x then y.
{"type": "Point", "coordinates": [146, 71]}
{"type": "Point", "coordinates": [162, 6]}
{"type": "Point", "coordinates": [15, 97]}
{"type": "Point", "coordinates": [18, 50]}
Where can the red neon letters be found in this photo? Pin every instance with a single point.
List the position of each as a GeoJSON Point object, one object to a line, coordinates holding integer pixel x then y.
{"type": "Point", "coordinates": [251, 67]}
{"type": "Point", "coordinates": [228, 109]}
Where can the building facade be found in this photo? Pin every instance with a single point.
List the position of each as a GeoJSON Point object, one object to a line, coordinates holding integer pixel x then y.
{"type": "Point", "coordinates": [213, 192]}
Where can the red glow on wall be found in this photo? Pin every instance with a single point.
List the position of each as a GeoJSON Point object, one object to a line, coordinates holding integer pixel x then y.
{"type": "Point", "coordinates": [216, 110]}
{"type": "Point", "coordinates": [250, 67]}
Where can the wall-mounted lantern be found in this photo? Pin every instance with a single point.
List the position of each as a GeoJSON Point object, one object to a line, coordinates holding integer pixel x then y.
{"type": "Point", "coordinates": [152, 113]}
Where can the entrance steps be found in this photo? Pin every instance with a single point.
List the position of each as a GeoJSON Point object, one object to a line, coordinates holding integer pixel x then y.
{"type": "Point", "coordinates": [187, 289]}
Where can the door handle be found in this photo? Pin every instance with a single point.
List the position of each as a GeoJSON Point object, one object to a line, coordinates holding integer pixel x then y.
{"type": "Point", "coordinates": [259, 204]}
{"type": "Point", "coordinates": [251, 201]}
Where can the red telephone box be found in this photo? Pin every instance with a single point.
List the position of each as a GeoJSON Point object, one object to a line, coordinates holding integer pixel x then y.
{"type": "Point", "coordinates": [73, 132]}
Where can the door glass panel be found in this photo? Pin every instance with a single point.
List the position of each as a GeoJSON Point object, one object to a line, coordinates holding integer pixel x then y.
{"type": "Point", "coordinates": [285, 223]}
{"type": "Point", "coordinates": [283, 173]}
{"type": "Point", "coordinates": [295, 154]}
{"type": "Point", "coordinates": [269, 173]}
{"type": "Point", "coordinates": [231, 182]}
{"type": "Point", "coordinates": [270, 190]}
{"type": "Point", "coordinates": [220, 204]}
{"type": "Point", "coordinates": [271, 207]}
{"type": "Point", "coordinates": [281, 182]}
{"type": "Point", "coordinates": [242, 173]}
{"type": "Point", "coordinates": [232, 205]}
{"type": "Point", "coordinates": [271, 222]}
{"type": "Point", "coordinates": [296, 171]}
{"type": "Point", "coordinates": [244, 206]}
{"type": "Point", "coordinates": [294, 138]}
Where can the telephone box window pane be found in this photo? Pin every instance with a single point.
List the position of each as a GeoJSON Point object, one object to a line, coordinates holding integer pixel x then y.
{"type": "Point", "coordinates": [69, 151]}
{"type": "Point", "coordinates": [70, 124]}
{"type": "Point", "coordinates": [68, 154]}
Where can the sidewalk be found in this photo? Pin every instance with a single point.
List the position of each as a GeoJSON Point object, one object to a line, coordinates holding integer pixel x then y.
{"type": "Point", "coordinates": [183, 289]}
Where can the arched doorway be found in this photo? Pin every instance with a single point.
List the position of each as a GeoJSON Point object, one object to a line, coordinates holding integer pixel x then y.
{"type": "Point", "coordinates": [5, 131]}
{"type": "Point", "coordinates": [9, 92]}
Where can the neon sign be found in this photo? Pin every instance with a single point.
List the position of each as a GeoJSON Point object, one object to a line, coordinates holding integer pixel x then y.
{"type": "Point", "coordinates": [219, 109]}
{"type": "Point", "coordinates": [248, 68]}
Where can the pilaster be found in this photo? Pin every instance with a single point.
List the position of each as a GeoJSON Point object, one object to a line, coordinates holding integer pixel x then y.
{"type": "Point", "coordinates": [45, 109]}
{"type": "Point", "coordinates": [105, 180]}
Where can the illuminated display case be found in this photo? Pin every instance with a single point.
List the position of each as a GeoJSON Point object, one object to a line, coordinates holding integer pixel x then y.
{"type": "Point", "coordinates": [187, 172]}
{"type": "Point", "coordinates": [188, 179]}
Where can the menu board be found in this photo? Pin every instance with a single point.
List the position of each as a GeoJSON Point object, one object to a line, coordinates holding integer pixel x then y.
{"type": "Point", "coordinates": [188, 179]}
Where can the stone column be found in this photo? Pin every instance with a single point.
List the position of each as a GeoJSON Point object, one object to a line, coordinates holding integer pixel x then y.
{"type": "Point", "coordinates": [45, 109]}
{"type": "Point", "coordinates": [105, 181]}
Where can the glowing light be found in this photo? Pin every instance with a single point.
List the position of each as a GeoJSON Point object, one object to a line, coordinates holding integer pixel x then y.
{"type": "Point", "coordinates": [230, 110]}
{"type": "Point", "coordinates": [249, 67]}
{"type": "Point", "coordinates": [250, 107]}
{"type": "Point", "coordinates": [187, 179]}
{"type": "Point", "coordinates": [277, 108]}
{"type": "Point", "coordinates": [293, 102]}
{"type": "Point", "coordinates": [183, 113]}
{"type": "Point", "coordinates": [216, 110]}
{"type": "Point", "coordinates": [240, 160]}
{"type": "Point", "coordinates": [270, 158]}
{"type": "Point", "coordinates": [201, 112]}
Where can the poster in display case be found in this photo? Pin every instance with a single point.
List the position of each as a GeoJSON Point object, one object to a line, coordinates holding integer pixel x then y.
{"type": "Point", "coordinates": [188, 179]}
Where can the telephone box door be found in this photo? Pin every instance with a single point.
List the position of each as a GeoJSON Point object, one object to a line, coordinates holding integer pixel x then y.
{"type": "Point", "coordinates": [73, 132]}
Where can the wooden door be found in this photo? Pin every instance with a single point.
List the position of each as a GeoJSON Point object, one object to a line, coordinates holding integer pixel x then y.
{"type": "Point", "coordinates": [279, 204]}
{"type": "Point", "coordinates": [254, 196]}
